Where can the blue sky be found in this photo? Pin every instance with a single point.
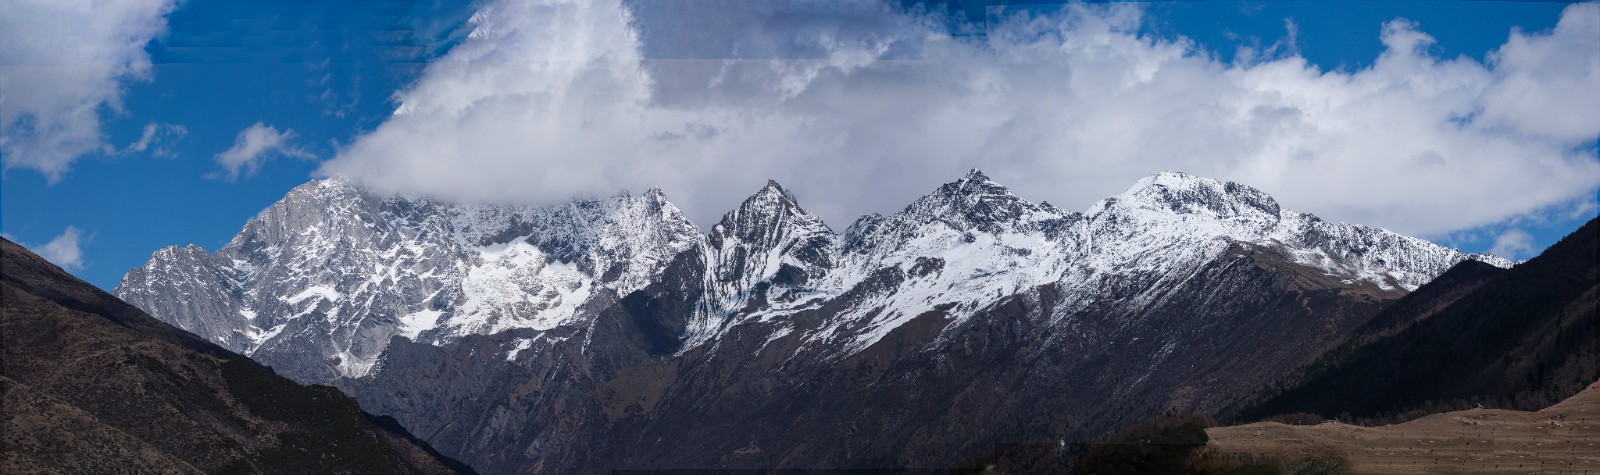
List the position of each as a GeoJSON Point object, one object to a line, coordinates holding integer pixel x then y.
{"type": "Point", "coordinates": [219, 107]}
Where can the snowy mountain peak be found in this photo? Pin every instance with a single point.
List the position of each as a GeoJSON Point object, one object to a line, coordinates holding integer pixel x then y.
{"type": "Point", "coordinates": [1188, 194]}
{"type": "Point", "coordinates": [973, 202]}
{"type": "Point", "coordinates": [768, 242]}
{"type": "Point", "coordinates": [763, 213]}
{"type": "Point", "coordinates": [974, 183]}
{"type": "Point", "coordinates": [655, 195]}
{"type": "Point", "coordinates": [324, 188]}
{"type": "Point", "coordinates": [975, 175]}
{"type": "Point", "coordinates": [774, 193]}
{"type": "Point", "coordinates": [335, 271]}
{"type": "Point", "coordinates": [1174, 212]}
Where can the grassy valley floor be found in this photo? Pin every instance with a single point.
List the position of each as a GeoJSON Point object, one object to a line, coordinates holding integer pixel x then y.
{"type": "Point", "coordinates": [1563, 438]}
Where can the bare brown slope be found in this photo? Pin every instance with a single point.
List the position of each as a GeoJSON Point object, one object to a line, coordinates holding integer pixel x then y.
{"type": "Point", "coordinates": [1563, 438]}
{"type": "Point", "coordinates": [44, 434]}
{"type": "Point", "coordinates": [92, 384]}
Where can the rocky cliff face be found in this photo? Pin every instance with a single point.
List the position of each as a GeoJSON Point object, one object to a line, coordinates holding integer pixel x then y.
{"type": "Point", "coordinates": [319, 283]}
{"type": "Point", "coordinates": [602, 333]}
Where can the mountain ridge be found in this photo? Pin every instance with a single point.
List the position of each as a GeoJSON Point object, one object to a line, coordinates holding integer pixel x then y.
{"type": "Point", "coordinates": [619, 314]}
{"type": "Point", "coordinates": [92, 384]}
{"type": "Point", "coordinates": [1520, 338]}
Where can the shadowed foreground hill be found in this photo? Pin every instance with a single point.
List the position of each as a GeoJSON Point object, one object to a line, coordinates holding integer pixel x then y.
{"type": "Point", "coordinates": [1523, 338]}
{"type": "Point", "coordinates": [93, 385]}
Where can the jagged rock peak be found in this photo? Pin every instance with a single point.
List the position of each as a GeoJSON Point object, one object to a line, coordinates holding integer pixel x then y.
{"type": "Point", "coordinates": [771, 198]}
{"type": "Point", "coordinates": [975, 182]}
{"type": "Point", "coordinates": [974, 201]}
{"type": "Point", "coordinates": [772, 185]}
{"type": "Point", "coordinates": [655, 195]}
{"type": "Point", "coordinates": [1183, 193]}
{"type": "Point", "coordinates": [774, 192]}
{"type": "Point", "coordinates": [769, 240]}
{"type": "Point", "coordinates": [763, 212]}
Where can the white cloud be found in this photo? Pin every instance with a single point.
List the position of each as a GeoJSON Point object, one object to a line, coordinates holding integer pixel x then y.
{"type": "Point", "coordinates": [255, 144]}
{"type": "Point", "coordinates": [153, 135]}
{"type": "Point", "coordinates": [553, 98]}
{"type": "Point", "coordinates": [1546, 85]}
{"type": "Point", "coordinates": [64, 250]}
{"type": "Point", "coordinates": [1514, 243]}
{"type": "Point", "coordinates": [61, 62]}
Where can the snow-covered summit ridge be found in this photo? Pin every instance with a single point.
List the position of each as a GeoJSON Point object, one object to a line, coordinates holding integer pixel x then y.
{"type": "Point", "coordinates": [972, 241]}
{"type": "Point", "coordinates": [768, 241]}
{"type": "Point", "coordinates": [1176, 207]}
{"type": "Point", "coordinates": [974, 202]}
{"type": "Point", "coordinates": [336, 271]}
{"type": "Point", "coordinates": [1187, 194]}
{"type": "Point", "coordinates": [768, 210]}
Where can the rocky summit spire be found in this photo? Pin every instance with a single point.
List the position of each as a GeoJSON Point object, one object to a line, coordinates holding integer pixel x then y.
{"type": "Point", "coordinates": [975, 182]}
{"type": "Point", "coordinates": [974, 201]}
{"type": "Point", "coordinates": [769, 238]}
{"type": "Point", "coordinates": [763, 217]}
{"type": "Point", "coordinates": [773, 186]}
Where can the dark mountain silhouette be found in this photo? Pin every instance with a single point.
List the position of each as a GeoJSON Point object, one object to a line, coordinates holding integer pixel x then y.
{"type": "Point", "coordinates": [93, 385]}
{"type": "Point", "coordinates": [1522, 338]}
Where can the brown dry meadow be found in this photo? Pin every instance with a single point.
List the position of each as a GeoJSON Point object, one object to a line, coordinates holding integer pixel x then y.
{"type": "Point", "coordinates": [1563, 438]}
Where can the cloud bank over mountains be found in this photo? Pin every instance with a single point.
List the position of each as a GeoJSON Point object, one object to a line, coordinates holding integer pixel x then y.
{"type": "Point", "coordinates": [860, 107]}
{"type": "Point", "coordinates": [61, 63]}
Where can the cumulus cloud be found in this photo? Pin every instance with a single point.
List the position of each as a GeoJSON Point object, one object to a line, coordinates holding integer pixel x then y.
{"type": "Point", "coordinates": [862, 108]}
{"type": "Point", "coordinates": [61, 63]}
{"type": "Point", "coordinates": [64, 250]}
{"type": "Point", "coordinates": [153, 135]}
{"type": "Point", "coordinates": [1513, 243]}
{"type": "Point", "coordinates": [254, 145]}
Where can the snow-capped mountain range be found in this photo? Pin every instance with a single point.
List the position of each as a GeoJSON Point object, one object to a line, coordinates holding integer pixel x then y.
{"type": "Point", "coordinates": [564, 312]}
{"type": "Point", "coordinates": [333, 271]}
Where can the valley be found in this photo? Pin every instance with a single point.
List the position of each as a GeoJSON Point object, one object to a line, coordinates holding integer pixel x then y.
{"type": "Point", "coordinates": [1563, 438]}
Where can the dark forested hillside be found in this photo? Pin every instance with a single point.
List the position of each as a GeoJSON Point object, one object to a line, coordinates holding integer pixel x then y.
{"type": "Point", "coordinates": [1522, 338]}
{"type": "Point", "coordinates": [93, 385]}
